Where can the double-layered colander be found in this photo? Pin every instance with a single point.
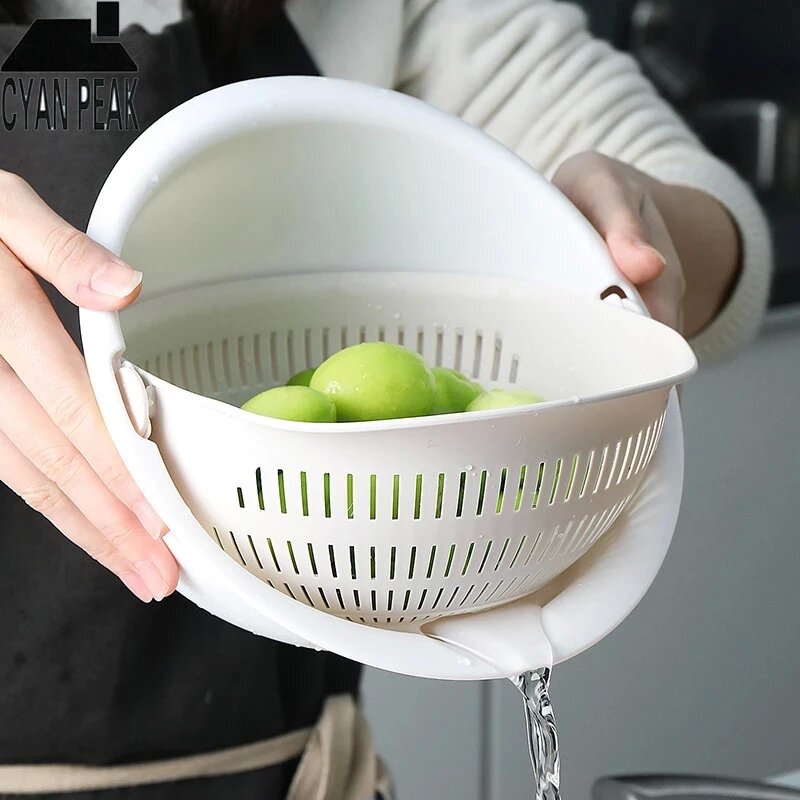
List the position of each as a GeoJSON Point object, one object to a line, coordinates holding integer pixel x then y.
{"type": "Point", "coordinates": [278, 221]}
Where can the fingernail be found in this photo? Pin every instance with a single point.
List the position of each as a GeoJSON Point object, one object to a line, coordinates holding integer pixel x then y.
{"type": "Point", "coordinates": [655, 252]}
{"type": "Point", "coordinates": [152, 578]}
{"type": "Point", "coordinates": [136, 586]}
{"type": "Point", "coordinates": [151, 522]}
{"type": "Point", "coordinates": [115, 279]}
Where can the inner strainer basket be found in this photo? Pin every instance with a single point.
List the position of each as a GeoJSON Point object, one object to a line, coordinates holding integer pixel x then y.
{"type": "Point", "coordinates": [395, 523]}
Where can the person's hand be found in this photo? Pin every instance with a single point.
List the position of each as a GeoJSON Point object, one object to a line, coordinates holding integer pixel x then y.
{"type": "Point", "coordinates": [618, 201]}
{"type": "Point", "coordinates": [679, 246]}
{"type": "Point", "coordinates": [55, 451]}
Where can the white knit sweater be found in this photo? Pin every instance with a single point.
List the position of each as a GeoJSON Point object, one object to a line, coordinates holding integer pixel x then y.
{"type": "Point", "coordinates": [528, 73]}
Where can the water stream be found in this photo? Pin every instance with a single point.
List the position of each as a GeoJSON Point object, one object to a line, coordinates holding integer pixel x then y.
{"type": "Point", "coordinates": [542, 733]}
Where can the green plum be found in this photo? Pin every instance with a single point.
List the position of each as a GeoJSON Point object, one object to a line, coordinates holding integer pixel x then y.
{"type": "Point", "coordinates": [301, 378]}
{"type": "Point", "coordinates": [376, 380]}
{"type": "Point", "coordinates": [500, 398]}
{"type": "Point", "coordinates": [298, 403]}
{"type": "Point", "coordinates": [454, 391]}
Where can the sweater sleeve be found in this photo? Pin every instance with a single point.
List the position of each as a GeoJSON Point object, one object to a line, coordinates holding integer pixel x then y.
{"type": "Point", "coordinates": [529, 73]}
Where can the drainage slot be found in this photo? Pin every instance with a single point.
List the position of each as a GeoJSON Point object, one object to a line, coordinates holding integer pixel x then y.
{"type": "Point", "coordinates": [518, 550]}
{"type": "Point", "coordinates": [255, 552]}
{"type": "Point", "coordinates": [481, 492]}
{"type": "Point", "coordinates": [538, 488]}
{"type": "Point", "coordinates": [485, 556]}
{"type": "Point", "coordinates": [326, 491]}
{"type": "Point", "coordinates": [502, 553]}
{"type": "Point", "coordinates": [395, 496]}
{"type": "Point", "coordinates": [523, 471]}
{"type": "Point", "coordinates": [555, 482]}
{"type": "Point", "coordinates": [281, 492]}
{"type": "Point", "coordinates": [308, 596]}
{"type": "Point", "coordinates": [332, 557]}
{"type": "Point", "coordinates": [431, 561]}
{"type": "Point", "coordinates": [501, 492]}
{"type": "Point", "coordinates": [272, 553]}
{"type": "Point", "coordinates": [418, 496]}
{"type": "Point", "coordinates": [449, 561]}
{"type": "Point", "coordinates": [468, 558]}
{"type": "Point", "coordinates": [304, 493]}
{"type": "Point", "coordinates": [462, 484]}
{"type": "Point", "coordinates": [312, 560]}
{"type": "Point", "coordinates": [292, 558]}
{"type": "Point", "coordinates": [259, 489]}
{"type": "Point", "coordinates": [236, 547]}
{"type": "Point", "coordinates": [350, 505]}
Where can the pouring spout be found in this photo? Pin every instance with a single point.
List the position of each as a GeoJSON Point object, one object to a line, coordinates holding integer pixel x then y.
{"type": "Point", "coordinates": [509, 638]}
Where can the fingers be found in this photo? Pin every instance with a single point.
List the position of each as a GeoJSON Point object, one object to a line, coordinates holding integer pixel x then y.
{"type": "Point", "coordinates": [664, 295]}
{"type": "Point", "coordinates": [55, 451]}
{"type": "Point", "coordinates": [29, 429]}
{"type": "Point", "coordinates": [82, 270]}
{"type": "Point", "coordinates": [602, 192]}
{"type": "Point", "coordinates": [616, 200]}
{"type": "Point", "coordinates": [45, 497]}
{"type": "Point", "coordinates": [44, 358]}
{"type": "Point", "coordinates": [65, 475]}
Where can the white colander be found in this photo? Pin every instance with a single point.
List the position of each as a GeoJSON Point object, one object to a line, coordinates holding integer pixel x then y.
{"type": "Point", "coordinates": [280, 220]}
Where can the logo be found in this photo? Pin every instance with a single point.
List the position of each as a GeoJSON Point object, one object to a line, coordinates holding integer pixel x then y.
{"type": "Point", "coordinates": [56, 102]}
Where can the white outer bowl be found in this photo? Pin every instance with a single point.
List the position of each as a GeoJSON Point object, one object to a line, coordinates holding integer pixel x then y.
{"type": "Point", "coordinates": [585, 603]}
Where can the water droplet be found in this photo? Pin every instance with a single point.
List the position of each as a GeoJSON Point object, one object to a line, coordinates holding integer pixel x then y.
{"type": "Point", "coordinates": [470, 467]}
{"type": "Point", "coordinates": [154, 178]}
{"type": "Point", "coordinates": [464, 661]}
{"type": "Point", "coordinates": [396, 315]}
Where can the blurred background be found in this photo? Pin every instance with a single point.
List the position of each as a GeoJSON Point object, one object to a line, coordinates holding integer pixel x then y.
{"type": "Point", "coordinates": [703, 677]}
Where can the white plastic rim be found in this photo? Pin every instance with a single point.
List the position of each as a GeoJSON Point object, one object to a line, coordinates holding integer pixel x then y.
{"type": "Point", "coordinates": [169, 170]}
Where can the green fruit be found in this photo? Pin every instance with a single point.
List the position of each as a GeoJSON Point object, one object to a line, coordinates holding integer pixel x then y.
{"type": "Point", "coordinates": [453, 391]}
{"type": "Point", "coordinates": [298, 403]}
{"type": "Point", "coordinates": [499, 398]}
{"type": "Point", "coordinates": [376, 380]}
{"type": "Point", "coordinates": [301, 378]}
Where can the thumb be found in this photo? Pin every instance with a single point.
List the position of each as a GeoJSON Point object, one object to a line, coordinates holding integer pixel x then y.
{"type": "Point", "coordinates": [599, 189]}
{"type": "Point", "coordinates": [85, 272]}
{"type": "Point", "coordinates": [636, 259]}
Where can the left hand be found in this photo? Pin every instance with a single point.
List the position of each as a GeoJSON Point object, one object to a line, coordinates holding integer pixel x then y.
{"type": "Point", "coordinates": [620, 203]}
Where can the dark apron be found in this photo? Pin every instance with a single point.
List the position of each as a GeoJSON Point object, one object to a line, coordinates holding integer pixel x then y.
{"type": "Point", "coordinates": [87, 673]}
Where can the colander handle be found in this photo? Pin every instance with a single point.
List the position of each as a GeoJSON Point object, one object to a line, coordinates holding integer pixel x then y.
{"type": "Point", "coordinates": [629, 300]}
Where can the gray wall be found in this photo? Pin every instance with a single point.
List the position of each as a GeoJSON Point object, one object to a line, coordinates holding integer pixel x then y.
{"type": "Point", "coordinates": [703, 677]}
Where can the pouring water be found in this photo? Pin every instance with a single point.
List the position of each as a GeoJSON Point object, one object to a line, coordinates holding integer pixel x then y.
{"type": "Point", "coordinates": [542, 733]}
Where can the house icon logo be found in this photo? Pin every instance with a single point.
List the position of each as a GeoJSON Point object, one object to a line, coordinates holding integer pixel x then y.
{"type": "Point", "coordinates": [94, 82]}
{"type": "Point", "coordinates": [67, 45]}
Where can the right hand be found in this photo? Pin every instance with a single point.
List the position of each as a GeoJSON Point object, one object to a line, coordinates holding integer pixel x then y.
{"type": "Point", "coordinates": [55, 451]}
